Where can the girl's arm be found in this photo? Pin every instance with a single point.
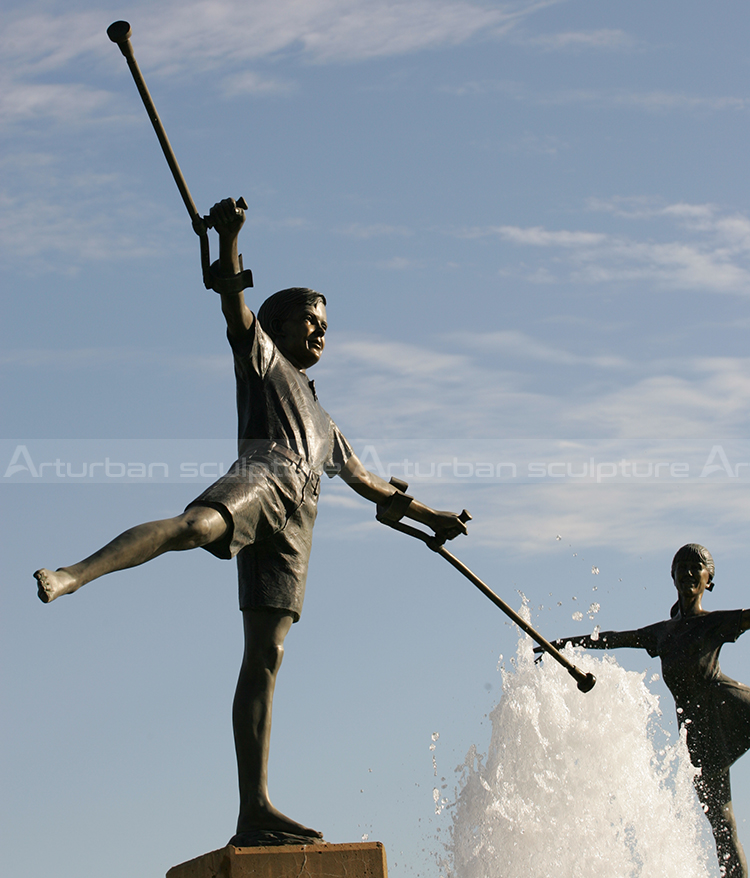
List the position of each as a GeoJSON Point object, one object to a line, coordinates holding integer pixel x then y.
{"type": "Point", "coordinates": [607, 640]}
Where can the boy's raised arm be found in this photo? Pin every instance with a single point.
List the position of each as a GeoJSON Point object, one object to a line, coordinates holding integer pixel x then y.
{"type": "Point", "coordinates": [370, 486]}
{"type": "Point", "coordinates": [228, 219]}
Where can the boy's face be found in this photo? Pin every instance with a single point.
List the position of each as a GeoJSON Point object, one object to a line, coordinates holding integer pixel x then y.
{"type": "Point", "coordinates": [301, 337]}
{"type": "Point", "coordinates": [691, 577]}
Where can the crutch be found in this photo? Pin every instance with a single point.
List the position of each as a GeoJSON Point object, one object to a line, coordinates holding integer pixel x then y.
{"type": "Point", "coordinates": [119, 32]}
{"type": "Point", "coordinates": [391, 513]}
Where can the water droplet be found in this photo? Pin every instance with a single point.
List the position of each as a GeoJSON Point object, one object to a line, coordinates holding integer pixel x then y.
{"type": "Point", "coordinates": [595, 570]}
{"type": "Point", "coordinates": [558, 538]}
{"type": "Point", "coordinates": [577, 617]}
{"type": "Point", "coordinates": [365, 836]}
{"type": "Point", "coordinates": [435, 736]}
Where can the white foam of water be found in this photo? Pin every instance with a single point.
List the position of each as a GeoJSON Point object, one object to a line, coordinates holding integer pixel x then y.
{"type": "Point", "coordinates": [578, 785]}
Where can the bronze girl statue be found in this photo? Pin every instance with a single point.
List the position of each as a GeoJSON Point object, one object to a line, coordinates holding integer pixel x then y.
{"type": "Point", "coordinates": [713, 709]}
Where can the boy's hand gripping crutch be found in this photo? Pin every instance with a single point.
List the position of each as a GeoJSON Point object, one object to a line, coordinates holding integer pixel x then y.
{"type": "Point", "coordinates": [391, 514]}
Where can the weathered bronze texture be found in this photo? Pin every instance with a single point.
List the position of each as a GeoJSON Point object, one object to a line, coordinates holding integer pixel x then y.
{"type": "Point", "coordinates": [262, 511]}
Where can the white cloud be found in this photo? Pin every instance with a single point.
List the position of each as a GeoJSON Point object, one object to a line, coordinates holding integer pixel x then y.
{"type": "Point", "coordinates": [653, 101]}
{"type": "Point", "coordinates": [590, 39]}
{"type": "Point", "coordinates": [599, 98]}
{"type": "Point", "coordinates": [38, 51]}
{"type": "Point", "coordinates": [249, 82]}
{"type": "Point", "coordinates": [520, 345]}
{"type": "Point", "coordinates": [27, 101]}
{"type": "Point", "coordinates": [375, 230]}
{"type": "Point", "coordinates": [121, 357]}
{"type": "Point", "coordinates": [437, 419]}
{"type": "Point", "coordinates": [175, 36]}
{"type": "Point", "coordinates": [711, 251]}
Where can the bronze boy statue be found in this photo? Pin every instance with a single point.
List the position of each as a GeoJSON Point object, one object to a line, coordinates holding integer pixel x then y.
{"type": "Point", "coordinates": [714, 709]}
{"type": "Point", "coordinates": [261, 511]}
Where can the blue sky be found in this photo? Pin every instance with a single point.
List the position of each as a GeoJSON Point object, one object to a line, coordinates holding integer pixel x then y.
{"type": "Point", "coordinates": [532, 224]}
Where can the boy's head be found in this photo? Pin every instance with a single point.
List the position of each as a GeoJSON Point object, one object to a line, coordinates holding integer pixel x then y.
{"type": "Point", "coordinates": [296, 321]}
{"type": "Point", "coordinates": [280, 306]}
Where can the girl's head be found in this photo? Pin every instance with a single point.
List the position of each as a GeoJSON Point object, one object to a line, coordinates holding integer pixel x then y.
{"type": "Point", "coordinates": [694, 552]}
{"type": "Point", "coordinates": [691, 555]}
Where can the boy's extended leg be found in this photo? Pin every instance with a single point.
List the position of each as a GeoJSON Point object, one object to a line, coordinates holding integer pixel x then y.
{"type": "Point", "coordinates": [715, 793]}
{"type": "Point", "coordinates": [265, 631]}
{"type": "Point", "coordinates": [198, 526]}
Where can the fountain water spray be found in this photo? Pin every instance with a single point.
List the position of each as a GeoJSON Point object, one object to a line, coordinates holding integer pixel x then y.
{"type": "Point", "coordinates": [578, 787]}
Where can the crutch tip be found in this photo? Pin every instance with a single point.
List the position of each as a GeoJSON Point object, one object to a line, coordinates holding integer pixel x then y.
{"type": "Point", "coordinates": [586, 683]}
{"type": "Point", "coordinates": [119, 31]}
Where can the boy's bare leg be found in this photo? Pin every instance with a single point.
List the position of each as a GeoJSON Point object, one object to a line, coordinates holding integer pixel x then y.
{"type": "Point", "coordinates": [198, 526]}
{"type": "Point", "coordinates": [715, 793]}
{"type": "Point", "coordinates": [265, 631]}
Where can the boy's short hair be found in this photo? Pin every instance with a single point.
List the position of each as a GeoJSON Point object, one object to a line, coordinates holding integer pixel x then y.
{"type": "Point", "coordinates": [694, 551]}
{"type": "Point", "coordinates": [280, 305]}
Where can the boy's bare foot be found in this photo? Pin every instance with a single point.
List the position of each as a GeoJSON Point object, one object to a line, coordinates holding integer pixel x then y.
{"type": "Point", "coordinates": [51, 584]}
{"type": "Point", "coordinates": [267, 818]}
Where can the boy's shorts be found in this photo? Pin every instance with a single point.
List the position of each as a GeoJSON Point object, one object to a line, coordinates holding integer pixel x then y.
{"type": "Point", "coordinates": [269, 504]}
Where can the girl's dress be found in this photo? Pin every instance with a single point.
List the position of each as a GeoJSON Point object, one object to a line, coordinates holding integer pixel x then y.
{"type": "Point", "coordinates": [714, 709]}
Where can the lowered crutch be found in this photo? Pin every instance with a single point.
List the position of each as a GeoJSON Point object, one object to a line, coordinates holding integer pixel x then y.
{"type": "Point", "coordinates": [391, 513]}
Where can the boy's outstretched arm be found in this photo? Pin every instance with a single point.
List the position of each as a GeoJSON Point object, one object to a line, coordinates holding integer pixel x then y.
{"type": "Point", "coordinates": [606, 640]}
{"type": "Point", "coordinates": [446, 525]}
{"type": "Point", "coordinates": [228, 219]}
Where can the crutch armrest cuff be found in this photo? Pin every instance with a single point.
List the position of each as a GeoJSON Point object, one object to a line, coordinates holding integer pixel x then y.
{"type": "Point", "coordinates": [234, 284]}
{"type": "Point", "coordinates": [395, 507]}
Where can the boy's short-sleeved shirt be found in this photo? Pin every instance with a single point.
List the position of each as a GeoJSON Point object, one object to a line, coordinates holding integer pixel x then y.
{"type": "Point", "coordinates": [714, 709]}
{"type": "Point", "coordinates": [286, 440]}
{"type": "Point", "coordinates": [276, 402]}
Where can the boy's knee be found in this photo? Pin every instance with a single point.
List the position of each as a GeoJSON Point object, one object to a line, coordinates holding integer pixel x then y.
{"type": "Point", "coordinates": [203, 525]}
{"type": "Point", "coordinates": [264, 660]}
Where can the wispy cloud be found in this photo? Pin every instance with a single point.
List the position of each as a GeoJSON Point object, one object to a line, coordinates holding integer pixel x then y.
{"type": "Point", "coordinates": [586, 39]}
{"type": "Point", "coordinates": [375, 230]}
{"type": "Point", "coordinates": [710, 250]}
{"type": "Point", "coordinates": [249, 82]}
{"type": "Point", "coordinates": [520, 345]}
{"type": "Point", "coordinates": [173, 37]}
{"type": "Point", "coordinates": [655, 101]}
{"type": "Point", "coordinates": [164, 361]}
{"type": "Point", "coordinates": [606, 452]}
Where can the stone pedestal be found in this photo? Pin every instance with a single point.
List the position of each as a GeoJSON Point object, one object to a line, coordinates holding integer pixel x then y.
{"type": "Point", "coordinates": [364, 860]}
